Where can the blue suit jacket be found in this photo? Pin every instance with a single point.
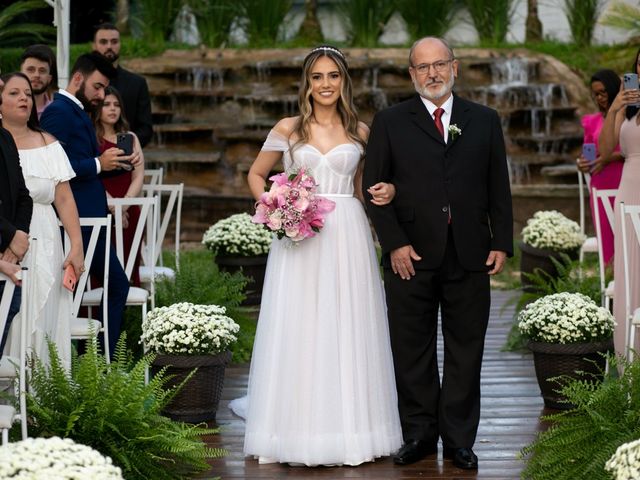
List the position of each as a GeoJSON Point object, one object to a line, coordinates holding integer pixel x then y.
{"type": "Point", "coordinates": [72, 126]}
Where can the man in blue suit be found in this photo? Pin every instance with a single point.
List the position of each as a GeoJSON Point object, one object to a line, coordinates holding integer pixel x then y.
{"type": "Point", "coordinates": [67, 118]}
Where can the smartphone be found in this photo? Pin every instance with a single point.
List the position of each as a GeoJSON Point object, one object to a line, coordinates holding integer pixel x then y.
{"type": "Point", "coordinates": [630, 81]}
{"type": "Point", "coordinates": [69, 279]}
{"type": "Point", "coordinates": [124, 141]}
{"type": "Point", "coordinates": [589, 152]}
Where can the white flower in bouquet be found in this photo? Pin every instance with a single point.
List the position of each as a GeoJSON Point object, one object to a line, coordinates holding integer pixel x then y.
{"type": "Point", "coordinates": [625, 463]}
{"type": "Point", "coordinates": [188, 329]}
{"type": "Point", "coordinates": [55, 458]}
{"type": "Point", "coordinates": [565, 318]}
{"type": "Point", "coordinates": [237, 235]}
{"type": "Point", "coordinates": [551, 229]}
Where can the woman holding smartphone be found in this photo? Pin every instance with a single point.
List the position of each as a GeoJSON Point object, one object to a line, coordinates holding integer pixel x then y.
{"type": "Point", "coordinates": [47, 172]}
{"type": "Point", "coordinates": [125, 182]}
{"type": "Point", "coordinates": [622, 125]}
{"type": "Point", "coordinates": [605, 170]}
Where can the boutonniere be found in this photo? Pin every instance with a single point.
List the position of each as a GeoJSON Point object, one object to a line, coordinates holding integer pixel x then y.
{"type": "Point", "coordinates": [454, 131]}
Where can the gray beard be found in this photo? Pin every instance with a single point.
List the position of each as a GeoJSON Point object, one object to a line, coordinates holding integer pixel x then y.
{"type": "Point", "coordinates": [443, 91]}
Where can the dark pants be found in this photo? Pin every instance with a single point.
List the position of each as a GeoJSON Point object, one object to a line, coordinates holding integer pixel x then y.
{"type": "Point", "coordinates": [117, 289]}
{"type": "Point", "coordinates": [13, 309]}
{"type": "Point", "coordinates": [427, 408]}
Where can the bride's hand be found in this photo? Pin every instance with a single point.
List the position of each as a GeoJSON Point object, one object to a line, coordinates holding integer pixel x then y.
{"type": "Point", "coordinates": [382, 193]}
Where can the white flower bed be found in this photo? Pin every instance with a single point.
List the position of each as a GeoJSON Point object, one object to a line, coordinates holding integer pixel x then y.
{"type": "Point", "coordinates": [237, 235]}
{"type": "Point", "coordinates": [55, 459]}
{"type": "Point", "coordinates": [565, 318]}
{"type": "Point", "coordinates": [625, 463]}
{"type": "Point", "coordinates": [185, 328]}
{"type": "Point", "coordinates": [552, 230]}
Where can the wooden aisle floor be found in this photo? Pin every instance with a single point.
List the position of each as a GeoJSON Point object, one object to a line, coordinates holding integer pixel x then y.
{"type": "Point", "coordinates": [511, 407]}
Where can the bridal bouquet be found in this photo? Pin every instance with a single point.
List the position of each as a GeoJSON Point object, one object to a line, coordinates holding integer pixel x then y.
{"type": "Point", "coordinates": [55, 458]}
{"type": "Point", "coordinates": [290, 208]}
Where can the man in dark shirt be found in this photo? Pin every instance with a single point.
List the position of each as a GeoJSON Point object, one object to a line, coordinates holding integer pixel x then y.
{"type": "Point", "coordinates": [132, 87]}
{"type": "Point", "coordinates": [15, 216]}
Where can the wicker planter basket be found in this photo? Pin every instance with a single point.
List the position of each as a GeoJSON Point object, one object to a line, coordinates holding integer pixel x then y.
{"type": "Point", "coordinates": [553, 359]}
{"type": "Point", "coordinates": [252, 267]}
{"type": "Point", "coordinates": [199, 398]}
{"type": "Point", "coordinates": [533, 258]}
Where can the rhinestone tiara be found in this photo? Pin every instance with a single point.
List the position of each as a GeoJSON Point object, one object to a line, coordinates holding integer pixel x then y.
{"type": "Point", "coordinates": [331, 49]}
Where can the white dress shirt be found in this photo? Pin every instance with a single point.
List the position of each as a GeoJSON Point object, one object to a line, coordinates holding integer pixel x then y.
{"type": "Point", "coordinates": [446, 116]}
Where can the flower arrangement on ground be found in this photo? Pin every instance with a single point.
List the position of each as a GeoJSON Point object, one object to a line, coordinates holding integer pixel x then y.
{"type": "Point", "coordinates": [565, 318]}
{"type": "Point", "coordinates": [550, 229]}
{"type": "Point", "coordinates": [62, 459]}
{"type": "Point", "coordinates": [188, 329]}
{"type": "Point", "coordinates": [237, 235]}
{"type": "Point", "coordinates": [625, 463]}
{"type": "Point", "coordinates": [290, 207]}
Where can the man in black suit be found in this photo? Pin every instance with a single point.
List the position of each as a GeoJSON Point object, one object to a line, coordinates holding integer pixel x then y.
{"type": "Point", "coordinates": [132, 87]}
{"type": "Point", "coordinates": [448, 228]}
{"type": "Point", "coordinates": [15, 215]}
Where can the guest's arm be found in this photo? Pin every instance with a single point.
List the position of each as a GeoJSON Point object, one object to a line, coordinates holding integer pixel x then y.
{"type": "Point", "coordinates": [68, 213]}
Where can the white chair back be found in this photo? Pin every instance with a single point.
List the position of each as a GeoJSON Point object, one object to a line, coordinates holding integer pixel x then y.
{"type": "Point", "coordinates": [174, 195]}
{"type": "Point", "coordinates": [96, 224]}
{"type": "Point", "coordinates": [5, 301]}
{"type": "Point", "coordinates": [153, 176]}
{"type": "Point", "coordinates": [584, 179]}
{"type": "Point", "coordinates": [604, 197]}
{"type": "Point", "coordinates": [633, 212]}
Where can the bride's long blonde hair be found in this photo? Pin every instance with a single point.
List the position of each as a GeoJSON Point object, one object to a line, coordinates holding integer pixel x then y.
{"type": "Point", "coordinates": [346, 107]}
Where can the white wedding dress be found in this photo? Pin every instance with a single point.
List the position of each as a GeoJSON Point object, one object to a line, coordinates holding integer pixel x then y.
{"type": "Point", "coordinates": [50, 303]}
{"type": "Point", "coordinates": [321, 385]}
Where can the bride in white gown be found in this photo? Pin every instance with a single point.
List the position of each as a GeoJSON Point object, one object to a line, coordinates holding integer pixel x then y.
{"type": "Point", "coordinates": [321, 386]}
{"type": "Point", "coordinates": [46, 170]}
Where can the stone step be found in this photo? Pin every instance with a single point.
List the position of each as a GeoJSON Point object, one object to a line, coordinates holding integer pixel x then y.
{"type": "Point", "coordinates": [168, 156]}
{"type": "Point", "coordinates": [564, 170]}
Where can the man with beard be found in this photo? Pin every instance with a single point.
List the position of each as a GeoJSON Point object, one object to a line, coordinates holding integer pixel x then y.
{"type": "Point", "coordinates": [132, 87]}
{"type": "Point", "coordinates": [38, 62]}
{"type": "Point", "coordinates": [448, 228]}
{"type": "Point", "coordinates": [67, 119]}
{"type": "Point", "coordinates": [16, 207]}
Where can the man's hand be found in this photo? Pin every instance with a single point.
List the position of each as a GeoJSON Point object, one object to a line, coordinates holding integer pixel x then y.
{"type": "Point", "coordinates": [496, 258]}
{"type": "Point", "coordinates": [19, 245]}
{"type": "Point", "coordinates": [401, 261]}
{"type": "Point", "coordinates": [110, 159]}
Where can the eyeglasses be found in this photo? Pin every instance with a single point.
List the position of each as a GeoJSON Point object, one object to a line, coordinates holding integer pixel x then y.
{"type": "Point", "coordinates": [438, 66]}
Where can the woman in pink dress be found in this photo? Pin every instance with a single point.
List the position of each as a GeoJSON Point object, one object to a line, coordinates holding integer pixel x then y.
{"type": "Point", "coordinates": [109, 121]}
{"type": "Point", "coordinates": [623, 125]}
{"type": "Point", "coordinates": [606, 171]}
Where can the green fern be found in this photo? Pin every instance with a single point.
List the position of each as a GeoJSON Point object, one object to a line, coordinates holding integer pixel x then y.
{"type": "Point", "coordinates": [581, 440]}
{"type": "Point", "coordinates": [109, 407]}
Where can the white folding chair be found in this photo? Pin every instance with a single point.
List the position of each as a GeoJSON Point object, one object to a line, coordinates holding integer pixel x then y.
{"type": "Point", "coordinates": [174, 202]}
{"type": "Point", "coordinates": [87, 328]}
{"type": "Point", "coordinates": [16, 366]}
{"type": "Point", "coordinates": [632, 317]}
{"type": "Point", "coordinates": [153, 176]}
{"type": "Point", "coordinates": [606, 197]}
{"type": "Point", "coordinates": [148, 210]}
{"type": "Point", "coordinates": [591, 243]}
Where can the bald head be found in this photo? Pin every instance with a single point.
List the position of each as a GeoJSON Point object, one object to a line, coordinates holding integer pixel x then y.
{"type": "Point", "coordinates": [431, 43]}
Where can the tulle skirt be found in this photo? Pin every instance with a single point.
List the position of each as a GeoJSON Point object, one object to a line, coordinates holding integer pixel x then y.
{"type": "Point", "coordinates": [321, 386]}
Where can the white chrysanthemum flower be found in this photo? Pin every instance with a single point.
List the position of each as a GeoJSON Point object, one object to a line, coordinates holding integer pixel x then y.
{"type": "Point", "coordinates": [237, 235]}
{"type": "Point", "coordinates": [565, 318]}
{"type": "Point", "coordinates": [185, 327]}
{"type": "Point", "coordinates": [625, 463]}
{"type": "Point", "coordinates": [552, 230]}
{"type": "Point", "coordinates": [62, 459]}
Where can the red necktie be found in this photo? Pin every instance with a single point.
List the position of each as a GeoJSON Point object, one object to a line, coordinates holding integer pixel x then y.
{"type": "Point", "coordinates": [437, 119]}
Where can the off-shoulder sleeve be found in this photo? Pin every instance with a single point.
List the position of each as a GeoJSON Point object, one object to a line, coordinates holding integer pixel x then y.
{"type": "Point", "coordinates": [51, 163]}
{"type": "Point", "coordinates": [275, 142]}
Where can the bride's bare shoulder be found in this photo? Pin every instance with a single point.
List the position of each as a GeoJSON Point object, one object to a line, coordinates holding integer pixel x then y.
{"type": "Point", "coordinates": [286, 126]}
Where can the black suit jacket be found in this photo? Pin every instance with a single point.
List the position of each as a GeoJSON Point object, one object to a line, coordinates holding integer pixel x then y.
{"type": "Point", "coordinates": [15, 204]}
{"type": "Point", "coordinates": [467, 177]}
{"type": "Point", "coordinates": [137, 104]}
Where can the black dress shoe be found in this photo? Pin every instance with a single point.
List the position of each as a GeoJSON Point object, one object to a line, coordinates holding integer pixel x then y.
{"type": "Point", "coordinates": [462, 457]}
{"type": "Point", "coordinates": [413, 451]}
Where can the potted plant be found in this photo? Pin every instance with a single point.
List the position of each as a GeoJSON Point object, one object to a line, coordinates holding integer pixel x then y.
{"type": "Point", "coordinates": [548, 234]}
{"type": "Point", "coordinates": [54, 457]}
{"type": "Point", "coordinates": [238, 243]}
{"type": "Point", "coordinates": [187, 337]}
{"type": "Point", "coordinates": [625, 463]}
{"type": "Point", "coordinates": [567, 332]}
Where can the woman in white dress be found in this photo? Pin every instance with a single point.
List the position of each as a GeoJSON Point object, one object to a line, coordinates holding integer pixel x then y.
{"type": "Point", "coordinates": [47, 172]}
{"type": "Point", "coordinates": [321, 386]}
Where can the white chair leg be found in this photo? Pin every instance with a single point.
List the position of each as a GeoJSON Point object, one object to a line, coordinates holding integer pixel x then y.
{"type": "Point", "coordinates": [5, 436]}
